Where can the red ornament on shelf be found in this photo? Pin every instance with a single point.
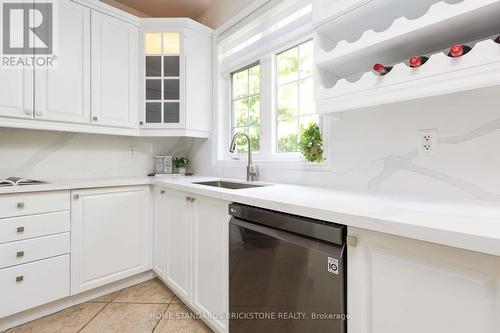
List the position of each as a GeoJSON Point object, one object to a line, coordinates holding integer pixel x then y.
{"type": "Point", "coordinates": [456, 51]}
{"type": "Point", "coordinates": [381, 69]}
{"type": "Point", "coordinates": [418, 61]}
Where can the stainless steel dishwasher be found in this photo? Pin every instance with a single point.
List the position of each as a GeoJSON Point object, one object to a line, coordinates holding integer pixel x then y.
{"type": "Point", "coordinates": [286, 273]}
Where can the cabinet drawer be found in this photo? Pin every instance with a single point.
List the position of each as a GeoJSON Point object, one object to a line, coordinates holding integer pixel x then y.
{"type": "Point", "coordinates": [30, 285]}
{"type": "Point", "coordinates": [30, 226]}
{"type": "Point", "coordinates": [33, 203]}
{"type": "Point", "coordinates": [22, 252]}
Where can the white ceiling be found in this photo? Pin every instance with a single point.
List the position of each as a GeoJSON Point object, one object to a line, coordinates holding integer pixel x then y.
{"type": "Point", "coordinates": [163, 8]}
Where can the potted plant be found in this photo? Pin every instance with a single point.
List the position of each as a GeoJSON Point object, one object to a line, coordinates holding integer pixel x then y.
{"type": "Point", "coordinates": [181, 164]}
{"type": "Point", "coordinates": [311, 143]}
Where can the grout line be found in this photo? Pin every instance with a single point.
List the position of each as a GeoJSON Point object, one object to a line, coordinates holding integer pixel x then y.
{"type": "Point", "coordinates": [164, 311]}
{"type": "Point", "coordinates": [88, 322]}
{"type": "Point", "coordinates": [164, 303]}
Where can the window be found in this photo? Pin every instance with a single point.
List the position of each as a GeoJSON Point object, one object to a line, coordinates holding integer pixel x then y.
{"type": "Point", "coordinates": [274, 118]}
{"type": "Point", "coordinates": [294, 96]}
{"type": "Point", "coordinates": [245, 105]}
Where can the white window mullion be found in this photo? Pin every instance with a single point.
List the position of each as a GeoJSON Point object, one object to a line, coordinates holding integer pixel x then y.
{"type": "Point", "coordinates": [266, 106]}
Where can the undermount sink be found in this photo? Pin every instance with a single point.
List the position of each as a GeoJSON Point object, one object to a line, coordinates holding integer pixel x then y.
{"type": "Point", "coordinates": [230, 185]}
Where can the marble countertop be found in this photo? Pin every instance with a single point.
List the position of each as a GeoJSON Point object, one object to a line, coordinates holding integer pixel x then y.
{"type": "Point", "coordinates": [468, 225]}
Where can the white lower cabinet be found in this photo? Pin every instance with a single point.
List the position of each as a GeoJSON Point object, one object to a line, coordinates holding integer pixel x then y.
{"type": "Point", "coordinates": [210, 259]}
{"type": "Point", "coordinates": [194, 237]}
{"type": "Point", "coordinates": [399, 285]}
{"type": "Point", "coordinates": [178, 243]}
{"type": "Point", "coordinates": [26, 286]}
{"type": "Point", "coordinates": [110, 235]}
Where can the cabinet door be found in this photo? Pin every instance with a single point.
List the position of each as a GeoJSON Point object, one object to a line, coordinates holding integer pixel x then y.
{"type": "Point", "coordinates": [62, 93]}
{"type": "Point", "coordinates": [110, 235]}
{"type": "Point", "coordinates": [164, 85]}
{"type": "Point", "coordinates": [178, 243]}
{"type": "Point", "coordinates": [159, 231]}
{"type": "Point", "coordinates": [16, 90]}
{"type": "Point", "coordinates": [401, 285]}
{"type": "Point", "coordinates": [210, 258]}
{"type": "Point", "coordinates": [114, 72]}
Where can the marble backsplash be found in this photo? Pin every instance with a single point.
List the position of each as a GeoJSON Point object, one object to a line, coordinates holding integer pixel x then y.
{"type": "Point", "coordinates": [59, 155]}
{"type": "Point", "coordinates": [377, 150]}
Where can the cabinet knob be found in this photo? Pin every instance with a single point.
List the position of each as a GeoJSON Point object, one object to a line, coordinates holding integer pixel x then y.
{"type": "Point", "coordinates": [20, 205]}
{"type": "Point", "coordinates": [76, 196]}
{"type": "Point", "coordinates": [20, 229]}
{"type": "Point", "coordinates": [352, 241]}
{"type": "Point", "coordinates": [141, 123]}
{"type": "Point", "coordinates": [188, 199]}
{"type": "Point", "coordinates": [20, 278]}
{"type": "Point", "coordinates": [162, 192]}
{"type": "Point", "coordinates": [94, 118]}
{"type": "Point", "coordinates": [20, 254]}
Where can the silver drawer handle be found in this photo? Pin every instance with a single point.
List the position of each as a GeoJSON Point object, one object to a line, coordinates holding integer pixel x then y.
{"type": "Point", "coordinates": [20, 278]}
{"type": "Point", "coordinates": [20, 229]}
{"type": "Point", "coordinates": [20, 205]}
{"type": "Point", "coordinates": [20, 254]}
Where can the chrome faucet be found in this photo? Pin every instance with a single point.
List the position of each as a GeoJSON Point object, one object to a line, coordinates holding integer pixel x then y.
{"type": "Point", "coordinates": [252, 170]}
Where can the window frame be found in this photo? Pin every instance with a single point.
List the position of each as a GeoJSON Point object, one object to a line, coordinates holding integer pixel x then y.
{"type": "Point", "coordinates": [274, 149]}
{"type": "Point", "coordinates": [232, 100]}
{"type": "Point", "coordinates": [268, 155]}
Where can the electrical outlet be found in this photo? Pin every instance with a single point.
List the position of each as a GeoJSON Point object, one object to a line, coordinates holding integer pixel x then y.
{"type": "Point", "coordinates": [131, 152]}
{"type": "Point", "coordinates": [428, 140]}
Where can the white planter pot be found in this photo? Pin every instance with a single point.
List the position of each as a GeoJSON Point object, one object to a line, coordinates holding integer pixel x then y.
{"type": "Point", "coordinates": [181, 170]}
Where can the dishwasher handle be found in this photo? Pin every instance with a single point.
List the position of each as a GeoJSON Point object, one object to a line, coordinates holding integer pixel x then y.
{"type": "Point", "coordinates": [334, 250]}
{"type": "Point", "coordinates": [325, 231]}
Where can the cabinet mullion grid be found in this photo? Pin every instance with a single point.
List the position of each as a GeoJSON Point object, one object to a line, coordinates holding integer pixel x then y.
{"type": "Point", "coordinates": [163, 77]}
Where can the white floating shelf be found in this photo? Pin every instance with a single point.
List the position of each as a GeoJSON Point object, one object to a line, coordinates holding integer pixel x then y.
{"type": "Point", "coordinates": [480, 68]}
{"type": "Point", "coordinates": [349, 19]}
{"type": "Point", "coordinates": [441, 26]}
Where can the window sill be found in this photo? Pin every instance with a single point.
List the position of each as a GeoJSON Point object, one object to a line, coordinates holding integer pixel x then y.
{"type": "Point", "coordinates": [278, 163]}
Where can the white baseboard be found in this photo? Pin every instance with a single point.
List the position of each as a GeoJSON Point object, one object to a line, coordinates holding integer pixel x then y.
{"type": "Point", "coordinates": [46, 309]}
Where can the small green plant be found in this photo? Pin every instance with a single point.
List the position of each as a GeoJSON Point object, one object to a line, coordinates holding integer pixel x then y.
{"type": "Point", "coordinates": [311, 143]}
{"type": "Point", "coordinates": [181, 162]}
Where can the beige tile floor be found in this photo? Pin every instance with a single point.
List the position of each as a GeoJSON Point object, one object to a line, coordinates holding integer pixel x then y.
{"type": "Point", "coordinates": [144, 308]}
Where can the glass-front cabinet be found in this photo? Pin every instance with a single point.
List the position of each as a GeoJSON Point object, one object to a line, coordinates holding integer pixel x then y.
{"type": "Point", "coordinates": [176, 78]}
{"type": "Point", "coordinates": [164, 75]}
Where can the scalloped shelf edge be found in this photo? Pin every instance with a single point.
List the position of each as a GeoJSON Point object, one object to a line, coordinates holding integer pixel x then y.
{"type": "Point", "coordinates": [434, 14]}
{"type": "Point", "coordinates": [441, 75]}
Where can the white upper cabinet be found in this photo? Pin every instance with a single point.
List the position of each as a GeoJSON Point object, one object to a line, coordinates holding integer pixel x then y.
{"type": "Point", "coordinates": [114, 72]}
{"type": "Point", "coordinates": [62, 93]}
{"type": "Point", "coordinates": [164, 80]}
{"type": "Point", "coordinates": [15, 97]}
{"type": "Point", "coordinates": [176, 79]}
{"type": "Point", "coordinates": [398, 285]}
